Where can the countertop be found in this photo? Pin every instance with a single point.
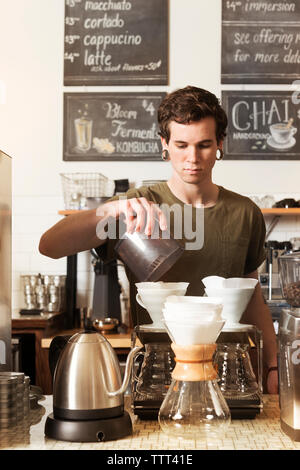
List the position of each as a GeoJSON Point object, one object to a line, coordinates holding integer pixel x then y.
{"type": "Point", "coordinates": [34, 321]}
{"type": "Point", "coordinates": [262, 433]}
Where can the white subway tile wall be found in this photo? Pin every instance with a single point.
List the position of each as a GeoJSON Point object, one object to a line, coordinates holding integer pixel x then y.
{"type": "Point", "coordinates": [34, 215]}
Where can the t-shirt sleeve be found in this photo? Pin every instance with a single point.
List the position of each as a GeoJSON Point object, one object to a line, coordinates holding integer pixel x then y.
{"type": "Point", "coordinates": [256, 250]}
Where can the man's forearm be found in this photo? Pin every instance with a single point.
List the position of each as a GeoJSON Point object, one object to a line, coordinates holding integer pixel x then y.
{"type": "Point", "coordinates": [258, 314]}
{"type": "Point", "coordinates": [73, 234]}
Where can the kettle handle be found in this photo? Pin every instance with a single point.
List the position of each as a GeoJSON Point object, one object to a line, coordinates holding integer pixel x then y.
{"type": "Point", "coordinates": [127, 374]}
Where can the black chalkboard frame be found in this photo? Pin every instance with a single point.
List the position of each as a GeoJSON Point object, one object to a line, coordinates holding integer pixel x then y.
{"type": "Point", "coordinates": [251, 54]}
{"type": "Point", "coordinates": [74, 101]}
{"type": "Point", "coordinates": [239, 107]}
{"type": "Point", "coordinates": [155, 69]}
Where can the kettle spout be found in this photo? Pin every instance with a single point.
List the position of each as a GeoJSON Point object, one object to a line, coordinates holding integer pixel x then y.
{"type": "Point", "coordinates": [127, 374]}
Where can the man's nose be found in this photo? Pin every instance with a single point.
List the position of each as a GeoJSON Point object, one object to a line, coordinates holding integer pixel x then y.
{"type": "Point", "coordinates": [193, 154]}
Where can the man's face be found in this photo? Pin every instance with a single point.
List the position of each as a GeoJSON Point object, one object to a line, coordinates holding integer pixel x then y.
{"type": "Point", "coordinates": [192, 149]}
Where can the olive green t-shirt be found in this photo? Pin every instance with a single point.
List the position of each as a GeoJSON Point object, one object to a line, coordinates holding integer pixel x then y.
{"type": "Point", "coordinates": [233, 244]}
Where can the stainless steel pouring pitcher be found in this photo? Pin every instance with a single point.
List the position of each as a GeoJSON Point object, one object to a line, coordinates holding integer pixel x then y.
{"type": "Point", "coordinates": [87, 380]}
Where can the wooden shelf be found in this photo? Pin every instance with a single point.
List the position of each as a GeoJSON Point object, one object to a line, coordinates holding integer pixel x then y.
{"type": "Point", "coordinates": [270, 211]}
{"type": "Point", "coordinates": [281, 211]}
{"type": "Point", "coordinates": [69, 212]}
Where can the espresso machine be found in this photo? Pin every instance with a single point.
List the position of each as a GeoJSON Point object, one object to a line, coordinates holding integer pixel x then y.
{"type": "Point", "coordinates": [289, 346]}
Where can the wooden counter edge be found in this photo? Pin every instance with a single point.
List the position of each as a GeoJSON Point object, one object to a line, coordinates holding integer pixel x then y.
{"type": "Point", "coordinates": [116, 340]}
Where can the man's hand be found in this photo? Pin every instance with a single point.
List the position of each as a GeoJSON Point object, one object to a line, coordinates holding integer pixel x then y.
{"type": "Point", "coordinates": [139, 214]}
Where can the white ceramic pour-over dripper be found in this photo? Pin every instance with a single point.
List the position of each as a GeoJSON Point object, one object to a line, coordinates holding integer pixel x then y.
{"type": "Point", "coordinates": [152, 296]}
{"type": "Point", "coordinates": [235, 293]}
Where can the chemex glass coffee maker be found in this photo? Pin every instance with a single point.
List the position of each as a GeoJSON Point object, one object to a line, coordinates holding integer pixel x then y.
{"type": "Point", "coordinates": [194, 406]}
{"type": "Point", "coordinates": [289, 345]}
{"type": "Point", "coordinates": [153, 365]}
{"type": "Point", "coordinates": [238, 356]}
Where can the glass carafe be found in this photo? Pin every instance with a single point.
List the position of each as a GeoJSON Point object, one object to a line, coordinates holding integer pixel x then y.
{"type": "Point", "coordinates": [236, 376]}
{"type": "Point", "coordinates": [194, 406]}
{"type": "Point", "coordinates": [154, 377]}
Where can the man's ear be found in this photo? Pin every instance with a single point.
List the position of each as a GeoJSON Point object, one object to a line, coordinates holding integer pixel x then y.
{"type": "Point", "coordinates": [163, 143]}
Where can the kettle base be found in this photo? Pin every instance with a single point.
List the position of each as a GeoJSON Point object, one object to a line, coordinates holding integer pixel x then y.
{"type": "Point", "coordinates": [96, 430]}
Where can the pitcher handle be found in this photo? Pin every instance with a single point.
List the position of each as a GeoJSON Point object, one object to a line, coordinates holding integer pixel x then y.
{"type": "Point", "coordinates": [134, 376]}
{"type": "Point", "coordinates": [139, 301]}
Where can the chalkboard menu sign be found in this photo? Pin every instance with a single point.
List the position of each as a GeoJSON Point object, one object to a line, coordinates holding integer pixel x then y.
{"type": "Point", "coordinates": [260, 41]}
{"type": "Point", "coordinates": [113, 42]}
{"type": "Point", "coordinates": [111, 126]}
{"type": "Point", "coordinates": [262, 125]}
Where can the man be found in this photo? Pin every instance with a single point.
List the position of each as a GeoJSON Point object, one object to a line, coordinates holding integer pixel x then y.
{"type": "Point", "coordinates": [192, 128]}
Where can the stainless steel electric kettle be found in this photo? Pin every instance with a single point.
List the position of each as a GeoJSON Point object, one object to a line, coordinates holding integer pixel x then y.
{"type": "Point", "coordinates": [88, 393]}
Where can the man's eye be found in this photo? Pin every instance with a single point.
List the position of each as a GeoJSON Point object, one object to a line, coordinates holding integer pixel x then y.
{"type": "Point", "coordinates": [181, 146]}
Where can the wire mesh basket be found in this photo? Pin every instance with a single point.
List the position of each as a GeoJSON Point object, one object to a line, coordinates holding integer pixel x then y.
{"type": "Point", "coordinates": [77, 187]}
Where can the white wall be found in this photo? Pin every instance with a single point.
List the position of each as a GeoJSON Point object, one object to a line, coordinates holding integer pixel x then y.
{"type": "Point", "coordinates": [31, 111]}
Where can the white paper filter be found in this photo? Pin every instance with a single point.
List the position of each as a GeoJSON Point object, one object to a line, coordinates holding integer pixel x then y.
{"type": "Point", "coordinates": [193, 320]}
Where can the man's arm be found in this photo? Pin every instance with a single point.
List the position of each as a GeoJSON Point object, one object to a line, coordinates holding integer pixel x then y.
{"type": "Point", "coordinates": [84, 230]}
{"type": "Point", "coordinates": [73, 234]}
{"type": "Point", "coordinates": [258, 314]}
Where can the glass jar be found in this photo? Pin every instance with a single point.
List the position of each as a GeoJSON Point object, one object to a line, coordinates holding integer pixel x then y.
{"type": "Point", "coordinates": [236, 375]}
{"type": "Point", "coordinates": [289, 275]}
{"type": "Point", "coordinates": [154, 378]}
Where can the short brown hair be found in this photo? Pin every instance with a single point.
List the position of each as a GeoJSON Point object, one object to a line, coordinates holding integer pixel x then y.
{"type": "Point", "coordinates": [191, 104]}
